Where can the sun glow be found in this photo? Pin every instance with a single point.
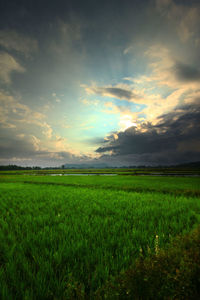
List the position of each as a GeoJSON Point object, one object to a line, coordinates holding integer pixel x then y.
{"type": "Point", "coordinates": [126, 121]}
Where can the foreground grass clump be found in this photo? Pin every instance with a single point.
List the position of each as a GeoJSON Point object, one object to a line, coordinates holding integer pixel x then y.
{"type": "Point", "coordinates": [173, 273]}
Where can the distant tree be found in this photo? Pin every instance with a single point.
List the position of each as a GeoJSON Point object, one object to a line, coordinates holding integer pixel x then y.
{"type": "Point", "coordinates": [13, 167]}
{"type": "Point", "coordinates": [36, 168]}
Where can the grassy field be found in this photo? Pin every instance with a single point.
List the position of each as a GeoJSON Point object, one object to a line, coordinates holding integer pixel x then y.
{"type": "Point", "coordinates": [120, 171]}
{"type": "Point", "coordinates": [169, 184]}
{"type": "Point", "coordinates": [56, 232]}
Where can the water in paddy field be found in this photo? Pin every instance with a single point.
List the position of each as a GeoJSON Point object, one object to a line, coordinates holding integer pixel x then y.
{"type": "Point", "coordinates": [82, 174]}
{"type": "Point", "coordinates": [99, 174]}
{"type": "Point", "coordinates": [141, 174]}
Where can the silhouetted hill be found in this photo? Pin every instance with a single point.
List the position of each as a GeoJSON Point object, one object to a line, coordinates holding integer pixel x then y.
{"type": "Point", "coordinates": [85, 166]}
{"type": "Point", "coordinates": [195, 164]}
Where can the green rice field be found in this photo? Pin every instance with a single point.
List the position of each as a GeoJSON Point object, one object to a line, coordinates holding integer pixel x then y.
{"type": "Point", "coordinates": [58, 231]}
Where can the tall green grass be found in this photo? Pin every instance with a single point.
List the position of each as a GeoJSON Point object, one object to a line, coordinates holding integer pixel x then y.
{"type": "Point", "coordinates": [175, 185]}
{"type": "Point", "coordinates": [52, 236]}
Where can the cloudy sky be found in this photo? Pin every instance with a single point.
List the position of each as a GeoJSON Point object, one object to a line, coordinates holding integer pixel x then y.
{"type": "Point", "coordinates": [99, 81]}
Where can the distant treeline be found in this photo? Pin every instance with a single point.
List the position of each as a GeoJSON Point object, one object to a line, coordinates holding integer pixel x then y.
{"type": "Point", "coordinates": [15, 167]}
{"type": "Point", "coordinates": [190, 165]}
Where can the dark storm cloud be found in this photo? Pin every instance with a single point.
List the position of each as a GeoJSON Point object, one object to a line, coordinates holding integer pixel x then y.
{"type": "Point", "coordinates": [114, 92]}
{"type": "Point", "coordinates": [175, 138]}
{"type": "Point", "coordinates": [120, 93]}
{"type": "Point", "coordinates": [44, 11]}
{"type": "Point", "coordinates": [186, 72]}
{"type": "Point", "coordinates": [95, 141]}
{"type": "Point", "coordinates": [17, 147]}
{"type": "Point", "coordinates": [25, 148]}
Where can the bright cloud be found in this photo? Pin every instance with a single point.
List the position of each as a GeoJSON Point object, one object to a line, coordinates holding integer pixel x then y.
{"type": "Point", "coordinates": [12, 40]}
{"type": "Point", "coordinates": [8, 65]}
{"type": "Point", "coordinates": [126, 121]}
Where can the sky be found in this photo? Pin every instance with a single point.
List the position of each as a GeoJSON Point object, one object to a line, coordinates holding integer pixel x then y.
{"type": "Point", "coordinates": [110, 81]}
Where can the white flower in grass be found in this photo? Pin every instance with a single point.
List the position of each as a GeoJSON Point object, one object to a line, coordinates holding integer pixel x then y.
{"type": "Point", "coordinates": [156, 245]}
